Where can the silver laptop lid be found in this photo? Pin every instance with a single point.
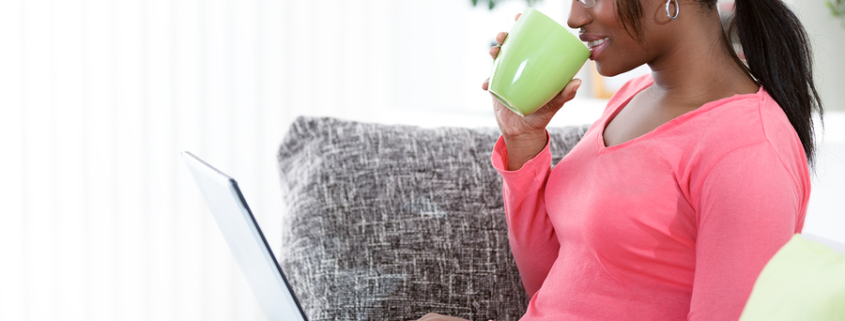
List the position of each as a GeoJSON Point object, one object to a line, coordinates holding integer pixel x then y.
{"type": "Point", "coordinates": [245, 240]}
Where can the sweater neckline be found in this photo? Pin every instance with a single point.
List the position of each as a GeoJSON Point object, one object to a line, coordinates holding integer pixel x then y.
{"type": "Point", "coordinates": [665, 126]}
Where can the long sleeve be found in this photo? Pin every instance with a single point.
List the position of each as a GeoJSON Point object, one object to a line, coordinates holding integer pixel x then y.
{"type": "Point", "coordinates": [532, 236]}
{"type": "Point", "coordinates": [671, 225]}
{"type": "Point", "coordinates": [750, 204]}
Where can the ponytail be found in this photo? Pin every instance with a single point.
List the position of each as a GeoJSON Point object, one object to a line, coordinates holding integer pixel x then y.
{"type": "Point", "coordinates": [778, 55]}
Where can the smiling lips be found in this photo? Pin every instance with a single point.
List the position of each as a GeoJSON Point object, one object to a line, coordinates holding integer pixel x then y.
{"type": "Point", "coordinates": [596, 44]}
{"type": "Point", "coordinates": [592, 44]}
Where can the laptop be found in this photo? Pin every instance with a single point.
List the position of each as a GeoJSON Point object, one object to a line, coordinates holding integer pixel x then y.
{"type": "Point", "coordinates": [245, 240]}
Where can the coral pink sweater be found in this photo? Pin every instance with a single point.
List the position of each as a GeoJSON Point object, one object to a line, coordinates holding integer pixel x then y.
{"type": "Point", "coordinates": [673, 225]}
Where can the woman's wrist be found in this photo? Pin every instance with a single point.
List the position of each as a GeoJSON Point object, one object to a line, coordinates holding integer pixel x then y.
{"type": "Point", "coordinates": [523, 148]}
{"type": "Point", "coordinates": [526, 136]}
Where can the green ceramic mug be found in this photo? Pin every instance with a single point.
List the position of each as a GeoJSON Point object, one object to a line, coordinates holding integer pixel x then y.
{"type": "Point", "coordinates": [536, 61]}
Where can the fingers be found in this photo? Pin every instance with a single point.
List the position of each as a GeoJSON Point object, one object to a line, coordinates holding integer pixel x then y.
{"type": "Point", "coordinates": [430, 317]}
{"type": "Point", "coordinates": [438, 317]}
{"type": "Point", "coordinates": [562, 97]}
{"type": "Point", "coordinates": [494, 52]}
{"type": "Point", "coordinates": [573, 86]}
{"type": "Point", "coordinates": [569, 91]}
{"type": "Point", "coordinates": [500, 38]}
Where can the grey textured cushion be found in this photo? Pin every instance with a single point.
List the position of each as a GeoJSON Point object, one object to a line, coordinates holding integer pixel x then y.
{"type": "Point", "coordinates": [390, 222]}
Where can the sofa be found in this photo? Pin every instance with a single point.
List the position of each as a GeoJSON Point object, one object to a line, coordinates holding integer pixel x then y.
{"type": "Point", "coordinates": [390, 222]}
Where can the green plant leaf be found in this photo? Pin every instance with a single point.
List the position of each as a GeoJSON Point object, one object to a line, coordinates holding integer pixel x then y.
{"type": "Point", "coordinates": [492, 3]}
{"type": "Point", "coordinates": [836, 8]}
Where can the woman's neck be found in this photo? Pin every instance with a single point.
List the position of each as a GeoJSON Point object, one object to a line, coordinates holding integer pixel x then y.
{"type": "Point", "coordinates": [699, 67]}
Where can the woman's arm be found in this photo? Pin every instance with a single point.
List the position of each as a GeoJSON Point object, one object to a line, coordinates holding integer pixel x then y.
{"type": "Point", "coordinates": [524, 173]}
{"type": "Point", "coordinates": [749, 207]}
{"type": "Point", "coordinates": [531, 234]}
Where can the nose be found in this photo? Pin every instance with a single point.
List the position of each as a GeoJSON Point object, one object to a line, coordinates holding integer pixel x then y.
{"type": "Point", "coordinates": [578, 16]}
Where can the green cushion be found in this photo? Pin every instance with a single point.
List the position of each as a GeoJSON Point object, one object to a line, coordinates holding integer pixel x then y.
{"type": "Point", "coordinates": [805, 280]}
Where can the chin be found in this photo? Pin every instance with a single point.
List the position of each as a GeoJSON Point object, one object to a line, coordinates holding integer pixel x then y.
{"type": "Point", "coordinates": [610, 69]}
{"type": "Point", "coordinates": [607, 71]}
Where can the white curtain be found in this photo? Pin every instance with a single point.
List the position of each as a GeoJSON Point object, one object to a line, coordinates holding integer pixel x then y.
{"type": "Point", "coordinates": [101, 221]}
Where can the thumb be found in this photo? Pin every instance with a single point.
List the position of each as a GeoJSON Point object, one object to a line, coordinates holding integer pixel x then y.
{"type": "Point", "coordinates": [563, 96]}
{"type": "Point", "coordinates": [569, 91]}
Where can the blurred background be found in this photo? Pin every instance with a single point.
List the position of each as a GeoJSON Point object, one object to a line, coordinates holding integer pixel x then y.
{"type": "Point", "coordinates": [102, 220]}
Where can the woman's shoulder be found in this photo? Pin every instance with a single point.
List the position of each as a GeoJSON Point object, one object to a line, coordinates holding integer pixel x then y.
{"type": "Point", "coordinates": [747, 118]}
{"type": "Point", "coordinates": [747, 124]}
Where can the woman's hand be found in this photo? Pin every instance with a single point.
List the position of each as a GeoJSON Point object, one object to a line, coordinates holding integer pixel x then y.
{"type": "Point", "coordinates": [525, 136]}
{"type": "Point", "coordinates": [438, 317]}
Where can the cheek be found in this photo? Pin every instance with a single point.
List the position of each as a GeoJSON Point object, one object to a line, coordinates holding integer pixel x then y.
{"type": "Point", "coordinates": [605, 14]}
{"type": "Point", "coordinates": [624, 52]}
{"type": "Point", "coordinates": [621, 55]}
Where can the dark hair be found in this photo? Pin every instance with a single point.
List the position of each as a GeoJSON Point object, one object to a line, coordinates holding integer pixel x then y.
{"type": "Point", "coordinates": [777, 53]}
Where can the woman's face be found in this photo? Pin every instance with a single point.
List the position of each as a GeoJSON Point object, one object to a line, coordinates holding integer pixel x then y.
{"type": "Point", "coordinates": [620, 52]}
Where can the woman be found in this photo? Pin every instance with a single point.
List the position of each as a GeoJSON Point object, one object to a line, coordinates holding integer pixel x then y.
{"type": "Point", "coordinates": [695, 175]}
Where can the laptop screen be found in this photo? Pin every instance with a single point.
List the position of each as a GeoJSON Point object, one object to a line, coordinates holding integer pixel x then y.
{"type": "Point", "coordinates": [245, 240]}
